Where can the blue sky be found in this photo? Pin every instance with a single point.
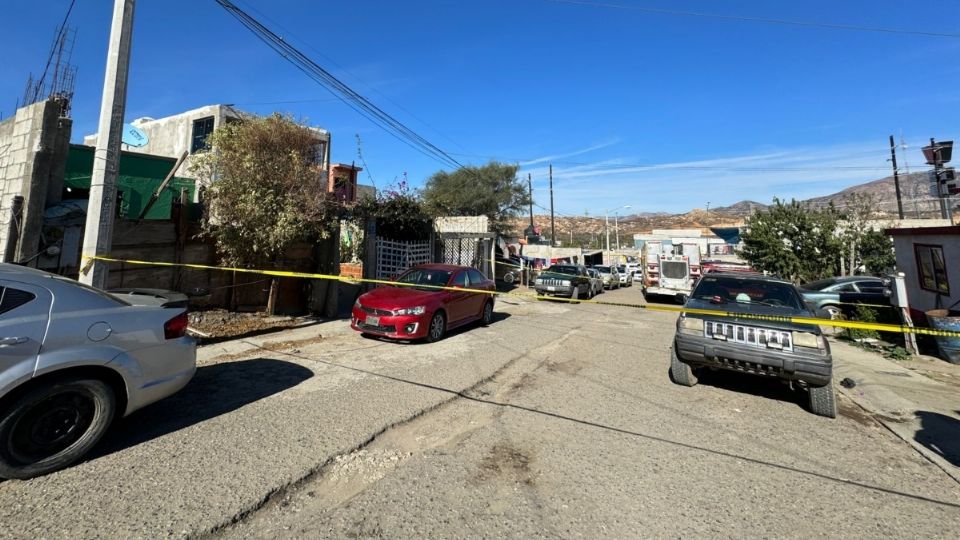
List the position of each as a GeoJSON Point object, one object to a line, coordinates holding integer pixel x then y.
{"type": "Point", "coordinates": [659, 112]}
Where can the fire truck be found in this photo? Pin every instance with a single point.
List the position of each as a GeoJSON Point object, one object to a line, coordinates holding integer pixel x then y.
{"type": "Point", "coordinates": [670, 269]}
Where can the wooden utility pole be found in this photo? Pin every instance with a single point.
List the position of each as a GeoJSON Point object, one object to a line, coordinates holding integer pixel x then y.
{"type": "Point", "coordinates": [98, 232]}
{"type": "Point", "coordinates": [553, 229]}
{"type": "Point", "coordinates": [163, 185]}
{"type": "Point", "coordinates": [896, 177]}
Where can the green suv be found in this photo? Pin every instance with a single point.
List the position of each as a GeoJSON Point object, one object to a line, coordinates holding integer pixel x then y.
{"type": "Point", "coordinates": [569, 280]}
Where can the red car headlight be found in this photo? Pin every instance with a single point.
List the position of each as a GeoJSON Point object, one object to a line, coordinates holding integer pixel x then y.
{"type": "Point", "coordinates": [419, 310]}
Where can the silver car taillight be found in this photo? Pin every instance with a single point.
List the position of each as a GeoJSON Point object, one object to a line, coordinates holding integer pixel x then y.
{"type": "Point", "coordinates": [176, 327]}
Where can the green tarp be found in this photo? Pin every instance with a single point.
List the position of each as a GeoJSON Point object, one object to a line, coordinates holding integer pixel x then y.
{"type": "Point", "coordinates": [140, 176]}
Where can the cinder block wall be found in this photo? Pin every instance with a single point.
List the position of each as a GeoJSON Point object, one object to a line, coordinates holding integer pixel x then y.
{"type": "Point", "coordinates": [33, 152]}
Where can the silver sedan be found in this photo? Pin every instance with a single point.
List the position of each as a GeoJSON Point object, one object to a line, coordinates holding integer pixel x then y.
{"type": "Point", "coordinates": [72, 359]}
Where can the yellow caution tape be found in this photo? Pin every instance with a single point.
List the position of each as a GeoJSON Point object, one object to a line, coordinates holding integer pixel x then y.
{"type": "Point", "coordinates": [881, 327]}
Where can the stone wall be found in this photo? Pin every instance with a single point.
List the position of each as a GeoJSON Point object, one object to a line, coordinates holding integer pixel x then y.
{"type": "Point", "coordinates": [33, 151]}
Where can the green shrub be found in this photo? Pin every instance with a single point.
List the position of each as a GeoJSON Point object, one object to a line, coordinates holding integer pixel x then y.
{"type": "Point", "coordinates": [898, 353]}
{"type": "Point", "coordinates": [867, 315]}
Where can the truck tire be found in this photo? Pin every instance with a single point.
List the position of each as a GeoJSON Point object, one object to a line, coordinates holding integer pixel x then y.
{"type": "Point", "coordinates": [680, 372]}
{"type": "Point", "coordinates": [823, 400]}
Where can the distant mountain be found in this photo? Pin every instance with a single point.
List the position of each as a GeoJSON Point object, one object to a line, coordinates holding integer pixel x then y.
{"type": "Point", "coordinates": [583, 230]}
{"type": "Point", "coordinates": [740, 209]}
{"type": "Point", "coordinates": [912, 186]}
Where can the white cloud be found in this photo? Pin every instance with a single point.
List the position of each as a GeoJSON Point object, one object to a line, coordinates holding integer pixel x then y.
{"type": "Point", "coordinates": [547, 159]}
{"type": "Point", "coordinates": [800, 173]}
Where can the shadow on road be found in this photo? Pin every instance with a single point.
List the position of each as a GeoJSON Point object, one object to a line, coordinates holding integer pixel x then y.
{"type": "Point", "coordinates": [215, 389]}
{"type": "Point", "coordinates": [755, 385]}
{"type": "Point", "coordinates": [940, 433]}
{"type": "Point", "coordinates": [646, 436]}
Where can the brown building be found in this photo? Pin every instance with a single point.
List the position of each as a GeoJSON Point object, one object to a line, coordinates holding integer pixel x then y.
{"type": "Point", "coordinates": [343, 182]}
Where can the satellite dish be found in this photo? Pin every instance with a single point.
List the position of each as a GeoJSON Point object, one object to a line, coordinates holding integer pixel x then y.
{"type": "Point", "coordinates": [133, 136]}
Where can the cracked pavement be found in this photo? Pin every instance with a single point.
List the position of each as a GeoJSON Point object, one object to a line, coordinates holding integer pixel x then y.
{"type": "Point", "coordinates": [557, 420]}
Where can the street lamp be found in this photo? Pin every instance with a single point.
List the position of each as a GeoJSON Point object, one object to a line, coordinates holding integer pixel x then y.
{"type": "Point", "coordinates": [606, 224]}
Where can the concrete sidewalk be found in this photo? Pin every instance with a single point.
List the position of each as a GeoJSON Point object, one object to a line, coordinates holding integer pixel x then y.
{"type": "Point", "coordinates": [918, 400]}
{"type": "Point", "coordinates": [309, 332]}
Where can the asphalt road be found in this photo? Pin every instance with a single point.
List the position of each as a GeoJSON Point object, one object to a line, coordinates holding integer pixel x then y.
{"type": "Point", "coordinates": [557, 420]}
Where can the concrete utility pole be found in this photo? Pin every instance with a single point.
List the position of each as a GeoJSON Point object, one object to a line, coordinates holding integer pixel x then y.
{"type": "Point", "coordinates": [530, 192]}
{"type": "Point", "coordinates": [616, 227]}
{"type": "Point", "coordinates": [896, 177]}
{"type": "Point", "coordinates": [606, 227]}
{"type": "Point", "coordinates": [553, 229]}
{"type": "Point", "coordinates": [98, 233]}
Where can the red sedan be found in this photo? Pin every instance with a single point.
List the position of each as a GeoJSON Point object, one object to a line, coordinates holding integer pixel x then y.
{"type": "Point", "coordinates": [419, 310]}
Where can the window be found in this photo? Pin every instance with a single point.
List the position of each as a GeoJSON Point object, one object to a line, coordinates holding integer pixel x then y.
{"type": "Point", "coordinates": [11, 299]}
{"type": "Point", "coordinates": [932, 268]}
{"type": "Point", "coordinates": [872, 287]}
{"type": "Point", "coordinates": [202, 129]}
{"type": "Point", "coordinates": [460, 280]}
{"type": "Point", "coordinates": [476, 277]}
{"type": "Point", "coordinates": [845, 287]}
{"type": "Point", "coordinates": [426, 276]}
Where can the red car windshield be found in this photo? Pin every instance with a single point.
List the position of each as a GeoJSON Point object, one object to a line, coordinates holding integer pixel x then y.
{"type": "Point", "coordinates": [426, 276]}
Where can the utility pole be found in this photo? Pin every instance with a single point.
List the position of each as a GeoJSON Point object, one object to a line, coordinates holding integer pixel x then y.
{"type": "Point", "coordinates": [606, 227]}
{"type": "Point", "coordinates": [553, 230]}
{"type": "Point", "coordinates": [530, 190]}
{"type": "Point", "coordinates": [937, 167]}
{"type": "Point", "coordinates": [98, 232]}
{"type": "Point", "coordinates": [616, 227]}
{"type": "Point", "coordinates": [896, 177]}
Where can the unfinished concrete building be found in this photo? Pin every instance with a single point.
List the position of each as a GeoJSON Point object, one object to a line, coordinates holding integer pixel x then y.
{"type": "Point", "coordinates": [188, 132]}
{"type": "Point", "coordinates": [34, 144]}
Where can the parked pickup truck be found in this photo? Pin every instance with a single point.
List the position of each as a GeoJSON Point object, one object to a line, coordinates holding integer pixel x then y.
{"type": "Point", "coordinates": [569, 280]}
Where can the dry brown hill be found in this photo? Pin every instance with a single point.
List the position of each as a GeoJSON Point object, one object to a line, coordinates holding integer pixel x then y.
{"type": "Point", "coordinates": [589, 230]}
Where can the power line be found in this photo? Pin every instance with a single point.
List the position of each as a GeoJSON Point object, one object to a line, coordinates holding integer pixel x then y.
{"type": "Point", "coordinates": [316, 100]}
{"type": "Point", "coordinates": [345, 70]}
{"type": "Point", "coordinates": [787, 22]}
{"type": "Point", "coordinates": [670, 166]}
{"type": "Point", "coordinates": [347, 95]}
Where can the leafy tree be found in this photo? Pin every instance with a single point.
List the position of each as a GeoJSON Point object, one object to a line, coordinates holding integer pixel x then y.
{"type": "Point", "coordinates": [876, 252]}
{"type": "Point", "coordinates": [492, 190]}
{"type": "Point", "coordinates": [793, 241]}
{"type": "Point", "coordinates": [267, 189]}
{"type": "Point", "coordinates": [858, 209]}
{"type": "Point", "coordinates": [398, 212]}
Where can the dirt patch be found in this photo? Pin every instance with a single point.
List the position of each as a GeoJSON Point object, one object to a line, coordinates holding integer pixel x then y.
{"type": "Point", "coordinates": [570, 367]}
{"type": "Point", "coordinates": [855, 413]}
{"type": "Point", "coordinates": [939, 376]}
{"type": "Point", "coordinates": [220, 324]}
{"type": "Point", "coordinates": [527, 380]}
{"type": "Point", "coordinates": [292, 344]}
{"type": "Point", "coordinates": [505, 461]}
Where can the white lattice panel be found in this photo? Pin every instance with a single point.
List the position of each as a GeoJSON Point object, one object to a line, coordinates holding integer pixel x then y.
{"type": "Point", "coordinates": [395, 257]}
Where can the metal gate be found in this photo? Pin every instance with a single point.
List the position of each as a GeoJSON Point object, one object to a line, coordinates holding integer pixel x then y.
{"type": "Point", "coordinates": [467, 249]}
{"type": "Point", "coordinates": [393, 258]}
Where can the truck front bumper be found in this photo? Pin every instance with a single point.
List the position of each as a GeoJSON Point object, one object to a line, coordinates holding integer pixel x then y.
{"type": "Point", "coordinates": [554, 290]}
{"type": "Point", "coordinates": [810, 367]}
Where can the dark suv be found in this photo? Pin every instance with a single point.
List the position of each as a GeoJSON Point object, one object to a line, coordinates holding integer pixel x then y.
{"type": "Point", "coordinates": [570, 280]}
{"type": "Point", "coordinates": [750, 339]}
